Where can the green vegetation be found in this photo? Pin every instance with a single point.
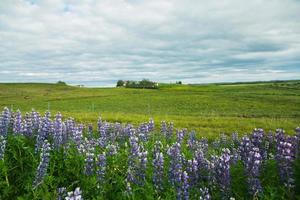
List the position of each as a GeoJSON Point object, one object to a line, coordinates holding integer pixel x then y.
{"type": "Point", "coordinates": [67, 167]}
{"type": "Point", "coordinates": [209, 109]}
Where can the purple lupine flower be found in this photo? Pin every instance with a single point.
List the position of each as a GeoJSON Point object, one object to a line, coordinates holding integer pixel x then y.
{"type": "Point", "coordinates": [5, 118]}
{"type": "Point", "coordinates": [89, 159]}
{"type": "Point", "coordinates": [103, 135]}
{"type": "Point", "coordinates": [203, 165]}
{"type": "Point", "coordinates": [78, 137]}
{"type": "Point", "coordinates": [151, 125]}
{"type": "Point", "coordinates": [253, 166]}
{"type": "Point", "coordinates": [163, 128]}
{"type": "Point", "coordinates": [101, 167]}
{"type": "Point", "coordinates": [176, 162]}
{"type": "Point", "coordinates": [44, 162]}
{"type": "Point", "coordinates": [137, 162]}
{"type": "Point", "coordinates": [192, 170]}
{"type": "Point", "coordinates": [204, 194]}
{"type": "Point", "coordinates": [170, 130]}
{"type": "Point", "coordinates": [192, 141]}
{"type": "Point", "coordinates": [76, 195]}
{"type": "Point", "coordinates": [185, 185]}
{"type": "Point", "coordinates": [43, 130]}
{"type": "Point", "coordinates": [70, 128]}
{"type": "Point", "coordinates": [222, 172]}
{"type": "Point", "coordinates": [17, 126]}
{"type": "Point", "coordinates": [2, 146]}
{"type": "Point", "coordinates": [235, 157]}
{"type": "Point", "coordinates": [143, 165]}
{"type": "Point", "coordinates": [158, 172]}
{"type": "Point", "coordinates": [179, 136]}
{"type": "Point", "coordinates": [257, 137]}
{"type": "Point", "coordinates": [35, 118]}
{"type": "Point", "coordinates": [118, 132]}
{"type": "Point", "coordinates": [133, 160]}
{"type": "Point", "coordinates": [129, 131]}
{"type": "Point", "coordinates": [99, 124]}
{"type": "Point", "coordinates": [58, 131]}
{"type": "Point", "coordinates": [62, 193]}
{"type": "Point", "coordinates": [158, 147]}
{"type": "Point", "coordinates": [158, 164]}
{"type": "Point", "coordinates": [203, 144]}
{"type": "Point", "coordinates": [134, 146]}
{"type": "Point", "coordinates": [143, 131]}
{"type": "Point", "coordinates": [47, 124]}
{"type": "Point", "coordinates": [285, 155]}
{"type": "Point", "coordinates": [176, 168]}
{"type": "Point", "coordinates": [244, 148]}
{"type": "Point", "coordinates": [28, 126]}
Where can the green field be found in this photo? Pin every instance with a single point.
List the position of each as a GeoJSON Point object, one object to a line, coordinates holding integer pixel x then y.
{"type": "Point", "coordinates": [209, 109]}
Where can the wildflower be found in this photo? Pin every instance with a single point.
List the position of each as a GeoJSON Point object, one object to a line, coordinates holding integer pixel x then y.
{"type": "Point", "coordinates": [76, 195]}
{"type": "Point", "coordinates": [44, 162]}
{"type": "Point", "coordinates": [101, 167]}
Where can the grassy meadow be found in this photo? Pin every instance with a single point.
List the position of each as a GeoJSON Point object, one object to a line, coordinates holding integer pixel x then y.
{"type": "Point", "coordinates": [209, 109]}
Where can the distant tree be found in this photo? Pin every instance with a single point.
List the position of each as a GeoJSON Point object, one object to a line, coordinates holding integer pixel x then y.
{"type": "Point", "coordinates": [145, 83]}
{"type": "Point", "coordinates": [179, 82]}
{"type": "Point", "coordinates": [61, 83]}
{"type": "Point", "coordinates": [120, 83]}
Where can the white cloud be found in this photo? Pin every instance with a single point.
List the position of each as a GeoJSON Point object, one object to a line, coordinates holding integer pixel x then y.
{"type": "Point", "coordinates": [99, 42]}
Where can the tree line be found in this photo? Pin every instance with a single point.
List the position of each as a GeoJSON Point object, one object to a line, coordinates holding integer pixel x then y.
{"type": "Point", "coordinates": [145, 84]}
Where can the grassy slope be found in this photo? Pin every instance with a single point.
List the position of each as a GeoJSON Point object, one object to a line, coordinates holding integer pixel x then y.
{"type": "Point", "coordinates": [208, 109]}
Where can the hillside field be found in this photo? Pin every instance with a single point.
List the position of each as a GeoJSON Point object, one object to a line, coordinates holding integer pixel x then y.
{"type": "Point", "coordinates": [209, 109]}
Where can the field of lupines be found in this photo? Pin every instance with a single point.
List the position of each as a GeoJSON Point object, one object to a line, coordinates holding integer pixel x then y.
{"type": "Point", "coordinates": [48, 157]}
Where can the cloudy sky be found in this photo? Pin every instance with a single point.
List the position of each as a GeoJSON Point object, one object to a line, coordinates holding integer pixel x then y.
{"type": "Point", "coordinates": [96, 43]}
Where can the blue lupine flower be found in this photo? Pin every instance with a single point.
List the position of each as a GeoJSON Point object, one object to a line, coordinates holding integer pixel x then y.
{"type": "Point", "coordinates": [5, 118]}
{"type": "Point", "coordinates": [101, 167]}
{"type": "Point", "coordinates": [253, 166]}
{"type": "Point", "coordinates": [89, 158]}
{"type": "Point", "coordinates": [17, 125]}
{"type": "Point", "coordinates": [158, 172]}
{"type": "Point", "coordinates": [179, 136]}
{"type": "Point", "coordinates": [58, 131]}
{"type": "Point", "coordinates": [76, 195]}
{"type": "Point", "coordinates": [44, 162]}
{"type": "Point", "coordinates": [286, 149]}
{"type": "Point", "coordinates": [151, 125]}
{"type": "Point", "coordinates": [44, 131]}
{"type": "Point", "coordinates": [28, 126]}
{"type": "Point", "coordinates": [222, 172]}
{"type": "Point", "coordinates": [185, 185]}
{"type": "Point", "coordinates": [192, 170]}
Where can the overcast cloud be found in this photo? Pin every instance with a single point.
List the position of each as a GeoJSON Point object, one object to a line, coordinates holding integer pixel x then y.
{"type": "Point", "coordinates": [95, 43]}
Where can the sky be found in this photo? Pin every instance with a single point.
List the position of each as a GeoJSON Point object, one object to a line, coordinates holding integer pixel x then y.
{"type": "Point", "coordinates": [96, 43]}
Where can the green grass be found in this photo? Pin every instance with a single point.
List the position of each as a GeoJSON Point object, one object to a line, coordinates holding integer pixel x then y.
{"type": "Point", "coordinates": [209, 109]}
